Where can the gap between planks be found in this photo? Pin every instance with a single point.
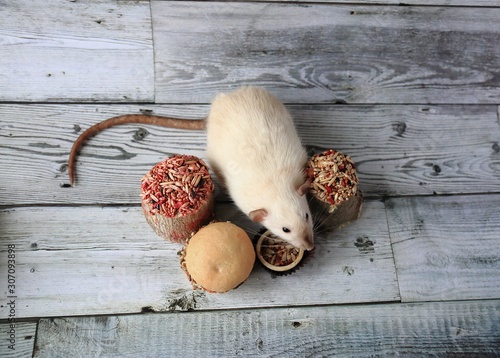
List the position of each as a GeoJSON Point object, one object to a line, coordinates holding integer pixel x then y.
{"type": "Point", "coordinates": [446, 247]}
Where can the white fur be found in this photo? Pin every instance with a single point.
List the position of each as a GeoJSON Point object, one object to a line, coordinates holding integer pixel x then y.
{"type": "Point", "coordinates": [252, 143]}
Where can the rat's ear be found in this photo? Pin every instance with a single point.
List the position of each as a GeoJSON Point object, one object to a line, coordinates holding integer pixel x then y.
{"type": "Point", "coordinates": [258, 215]}
{"type": "Point", "coordinates": [304, 188]}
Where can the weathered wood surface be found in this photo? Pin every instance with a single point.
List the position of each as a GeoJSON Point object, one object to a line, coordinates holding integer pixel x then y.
{"type": "Point", "coordinates": [389, 2]}
{"type": "Point", "coordinates": [86, 261]}
{"type": "Point", "coordinates": [24, 339]}
{"type": "Point", "coordinates": [399, 150]}
{"type": "Point", "coordinates": [446, 248]}
{"type": "Point", "coordinates": [76, 258]}
{"type": "Point", "coordinates": [312, 53]}
{"type": "Point", "coordinates": [80, 51]}
{"type": "Point", "coordinates": [36, 139]}
{"type": "Point", "coordinates": [465, 329]}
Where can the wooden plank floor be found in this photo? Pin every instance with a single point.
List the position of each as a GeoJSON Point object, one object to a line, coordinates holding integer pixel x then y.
{"type": "Point", "coordinates": [412, 93]}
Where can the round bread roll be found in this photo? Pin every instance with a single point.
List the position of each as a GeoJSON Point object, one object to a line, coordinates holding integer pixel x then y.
{"type": "Point", "coordinates": [219, 257]}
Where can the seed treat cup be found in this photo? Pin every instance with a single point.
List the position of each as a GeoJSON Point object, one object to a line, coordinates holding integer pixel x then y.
{"type": "Point", "coordinates": [177, 197]}
{"type": "Point", "coordinates": [218, 258]}
{"type": "Point", "coordinates": [278, 256]}
{"type": "Point", "coordinates": [335, 199]}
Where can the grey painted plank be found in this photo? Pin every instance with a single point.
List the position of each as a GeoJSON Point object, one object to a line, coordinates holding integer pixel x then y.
{"type": "Point", "coordinates": [35, 141]}
{"type": "Point", "coordinates": [493, 3]}
{"type": "Point", "coordinates": [400, 150]}
{"type": "Point", "coordinates": [17, 341]}
{"type": "Point", "coordinates": [76, 51]}
{"type": "Point", "coordinates": [311, 53]}
{"type": "Point", "coordinates": [470, 329]}
{"type": "Point", "coordinates": [88, 261]}
{"type": "Point", "coordinates": [446, 248]}
{"type": "Point", "coordinates": [411, 150]}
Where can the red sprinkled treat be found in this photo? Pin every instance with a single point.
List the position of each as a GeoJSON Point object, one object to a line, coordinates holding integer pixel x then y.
{"type": "Point", "coordinates": [177, 197]}
{"type": "Point", "coordinates": [334, 188]}
{"type": "Point", "coordinates": [333, 176]}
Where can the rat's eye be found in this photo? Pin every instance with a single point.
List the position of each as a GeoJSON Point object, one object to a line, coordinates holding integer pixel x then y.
{"type": "Point", "coordinates": [286, 230]}
{"type": "Point", "coordinates": [307, 216]}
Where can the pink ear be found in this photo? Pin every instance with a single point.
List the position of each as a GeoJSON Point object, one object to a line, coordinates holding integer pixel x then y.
{"type": "Point", "coordinates": [258, 215]}
{"type": "Point", "coordinates": [304, 188]}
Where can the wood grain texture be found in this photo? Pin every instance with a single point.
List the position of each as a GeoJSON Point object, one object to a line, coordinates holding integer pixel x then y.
{"type": "Point", "coordinates": [399, 150]}
{"type": "Point", "coordinates": [390, 2]}
{"type": "Point", "coordinates": [411, 150]}
{"type": "Point", "coordinates": [446, 248]}
{"type": "Point", "coordinates": [88, 261]}
{"type": "Point", "coordinates": [24, 339]}
{"type": "Point", "coordinates": [84, 51]}
{"type": "Point", "coordinates": [35, 142]}
{"type": "Point", "coordinates": [312, 53]}
{"type": "Point", "coordinates": [423, 87]}
{"type": "Point", "coordinates": [455, 329]}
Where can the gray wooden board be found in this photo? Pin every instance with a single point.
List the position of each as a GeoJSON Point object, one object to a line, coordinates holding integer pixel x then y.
{"type": "Point", "coordinates": [399, 150]}
{"type": "Point", "coordinates": [411, 150]}
{"type": "Point", "coordinates": [446, 248]}
{"type": "Point", "coordinates": [82, 50]}
{"type": "Point", "coordinates": [35, 141]}
{"type": "Point", "coordinates": [494, 3]}
{"type": "Point", "coordinates": [17, 341]}
{"type": "Point", "coordinates": [88, 260]}
{"type": "Point", "coordinates": [470, 328]}
{"type": "Point", "coordinates": [311, 53]}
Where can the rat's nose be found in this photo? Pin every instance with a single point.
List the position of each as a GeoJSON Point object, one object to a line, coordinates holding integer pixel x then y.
{"type": "Point", "coordinates": [309, 243]}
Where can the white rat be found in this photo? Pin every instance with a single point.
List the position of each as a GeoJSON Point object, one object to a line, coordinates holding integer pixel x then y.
{"type": "Point", "coordinates": [254, 149]}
